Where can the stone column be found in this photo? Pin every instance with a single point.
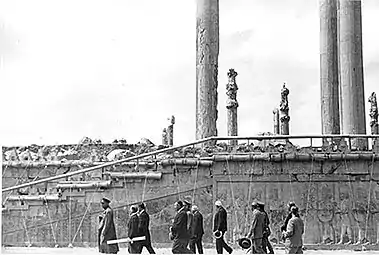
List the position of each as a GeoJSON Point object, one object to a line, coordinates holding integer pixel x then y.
{"type": "Point", "coordinates": [374, 120]}
{"type": "Point", "coordinates": [232, 105]}
{"type": "Point", "coordinates": [207, 50]}
{"type": "Point", "coordinates": [330, 119]}
{"type": "Point", "coordinates": [276, 121]}
{"type": "Point", "coordinates": [284, 108]}
{"type": "Point", "coordinates": [170, 131]}
{"type": "Point", "coordinates": [351, 71]}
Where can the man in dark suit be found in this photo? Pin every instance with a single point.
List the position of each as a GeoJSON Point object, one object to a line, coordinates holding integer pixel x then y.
{"type": "Point", "coordinates": [179, 230]}
{"type": "Point", "coordinates": [143, 228]}
{"type": "Point", "coordinates": [197, 231]}
{"type": "Point", "coordinates": [256, 230]}
{"type": "Point", "coordinates": [134, 247]}
{"type": "Point", "coordinates": [220, 227]}
{"type": "Point", "coordinates": [294, 233]}
{"type": "Point", "coordinates": [187, 208]}
{"type": "Point", "coordinates": [266, 230]}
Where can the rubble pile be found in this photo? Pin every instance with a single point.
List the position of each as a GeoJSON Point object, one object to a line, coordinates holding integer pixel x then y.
{"type": "Point", "coordinates": [90, 150]}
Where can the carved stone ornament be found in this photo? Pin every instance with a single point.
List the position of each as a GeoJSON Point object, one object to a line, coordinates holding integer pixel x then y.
{"type": "Point", "coordinates": [231, 90]}
{"type": "Point", "coordinates": [373, 110]}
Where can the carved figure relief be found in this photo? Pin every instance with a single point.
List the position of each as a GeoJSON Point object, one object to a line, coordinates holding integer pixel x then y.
{"type": "Point", "coordinates": [231, 90]}
{"type": "Point", "coordinates": [345, 217]}
{"type": "Point", "coordinates": [284, 108]}
{"type": "Point", "coordinates": [373, 113]}
{"type": "Point", "coordinates": [325, 213]}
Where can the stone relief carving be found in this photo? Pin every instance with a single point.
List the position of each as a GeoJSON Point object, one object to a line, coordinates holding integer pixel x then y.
{"type": "Point", "coordinates": [373, 113]}
{"type": "Point", "coordinates": [231, 90]}
{"type": "Point", "coordinates": [284, 107]}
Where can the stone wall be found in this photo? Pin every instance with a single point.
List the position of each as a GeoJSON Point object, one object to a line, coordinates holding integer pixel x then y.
{"type": "Point", "coordinates": [333, 192]}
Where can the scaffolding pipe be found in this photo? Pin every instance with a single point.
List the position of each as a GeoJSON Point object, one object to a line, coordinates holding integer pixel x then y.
{"type": "Point", "coordinates": [68, 163]}
{"type": "Point", "coordinates": [136, 175]}
{"type": "Point", "coordinates": [35, 197]}
{"type": "Point", "coordinates": [187, 162]}
{"type": "Point", "coordinates": [83, 185]}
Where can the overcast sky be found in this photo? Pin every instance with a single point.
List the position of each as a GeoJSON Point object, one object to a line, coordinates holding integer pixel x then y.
{"type": "Point", "coordinates": [112, 69]}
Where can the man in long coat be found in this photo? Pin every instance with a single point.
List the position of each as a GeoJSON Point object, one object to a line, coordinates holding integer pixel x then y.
{"type": "Point", "coordinates": [197, 231]}
{"type": "Point", "coordinates": [179, 230]}
{"type": "Point", "coordinates": [294, 233]}
{"type": "Point", "coordinates": [256, 230]}
{"type": "Point", "coordinates": [144, 221]}
{"type": "Point", "coordinates": [133, 231]}
{"type": "Point", "coordinates": [187, 206]}
{"type": "Point", "coordinates": [107, 230]}
{"type": "Point", "coordinates": [220, 225]}
{"type": "Point", "coordinates": [289, 216]}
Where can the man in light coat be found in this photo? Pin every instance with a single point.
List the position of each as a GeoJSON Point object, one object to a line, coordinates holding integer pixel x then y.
{"type": "Point", "coordinates": [256, 230]}
{"type": "Point", "coordinates": [107, 229]}
{"type": "Point", "coordinates": [294, 233]}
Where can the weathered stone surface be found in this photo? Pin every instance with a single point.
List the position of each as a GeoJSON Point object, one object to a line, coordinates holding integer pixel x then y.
{"type": "Point", "coordinates": [207, 50]}
{"type": "Point", "coordinates": [330, 119]}
{"type": "Point", "coordinates": [353, 114]}
{"type": "Point", "coordinates": [276, 121]}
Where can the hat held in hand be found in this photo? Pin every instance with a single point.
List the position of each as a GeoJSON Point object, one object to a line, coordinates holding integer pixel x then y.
{"type": "Point", "coordinates": [244, 242]}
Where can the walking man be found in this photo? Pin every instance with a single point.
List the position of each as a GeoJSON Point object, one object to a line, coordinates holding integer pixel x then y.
{"type": "Point", "coordinates": [107, 230]}
{"type": "Point", "coordinates": [289, 216]}
{"type": "Point", "coordinates": [134, 247]}
{"type": "Point", "coordinates": [256, 230]}
{"type": "Point", "coordinates": [143, 227]}
{"type": "Point", "coordinates": [187, 208]}
{"type": "Point", "coordinates": [179, 230]}
{"type": "Point", "coordinates": [266, 230]}
{"type": "Point", "coordinates": [197, 231]}
{"type": "Point", "coordinates": [220, 227]}
{"type": "Point", "coordinates": [294, 233]}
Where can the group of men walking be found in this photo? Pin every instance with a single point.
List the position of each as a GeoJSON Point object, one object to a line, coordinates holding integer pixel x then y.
{"type": "Point", "coordinates": [292, 230]}
{"type": "Point", "coordinates": [187, 230]}
{"type": "Point", "coordinates": [138, 225]}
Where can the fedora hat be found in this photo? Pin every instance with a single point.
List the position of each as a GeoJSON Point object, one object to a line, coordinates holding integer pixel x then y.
{"type": "Point", "coordinates": [217, 234]}
{"type": "Point", "coordinates": [244, 242]}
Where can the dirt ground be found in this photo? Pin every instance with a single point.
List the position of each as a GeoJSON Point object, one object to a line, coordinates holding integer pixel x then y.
{"type": "Point", "coordinates": [92, 251]}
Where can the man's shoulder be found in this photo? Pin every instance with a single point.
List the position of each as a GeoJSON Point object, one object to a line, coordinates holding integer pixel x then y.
{"type": "Point", "coordinates": [181, 213]}
{"type": "Point", "coordinates": [296, 220]}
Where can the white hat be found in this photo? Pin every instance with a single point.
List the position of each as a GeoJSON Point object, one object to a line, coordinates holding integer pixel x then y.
{"type": "Point", "coordinates": [218, 203]}
{"type": "Point", "coordinates": [195, 208]}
